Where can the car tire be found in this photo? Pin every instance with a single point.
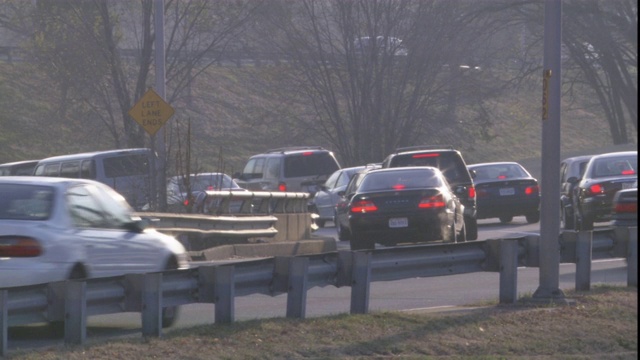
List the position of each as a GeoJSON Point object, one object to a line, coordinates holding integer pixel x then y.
{"type": "Point", "coordinates": [343, 234]}
{"type": "Point", "coordinates": [360, 242]}
{"type": "Point", "coordinates": [566, 219]}
{"type": "Point", "coordinates": [506, 219]}
{"type": "Point", "coordinates": [57, 327]}
{"type": "Point", "coordinates": [462, 236]}
{"type": "Point", "coordinates": [533, 217]}
{"type": "Point", "coordinates": [320, 223]}
{"type": "Point", "coordinates": [471, 226]}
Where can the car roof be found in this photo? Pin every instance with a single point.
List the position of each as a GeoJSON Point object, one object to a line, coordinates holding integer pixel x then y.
{"type": "Point", "coordinates": [292, 150]}
{"type": "Point", "coordinates": [403, 168]}
{"type": "Point", "coordinates": [424, 148]}
{"type": "Point", "coordinates": [44, 180]}
{"type": "Point", "coordinates": [495, 163]}
{"type": "Point", "coordinates": [615, 154]}
{"type": "Point", "coordinates": [93, 153]}
{"type": "Point", "coordinates": [23, 162]}
{"type": "Point", "coordinates": [578, 158]}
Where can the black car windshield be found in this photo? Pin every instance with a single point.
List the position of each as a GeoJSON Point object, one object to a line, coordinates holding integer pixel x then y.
{"type": "Point", "coordinates": [498, 172]}
{"type": "Point", "coordinates": [400, 180]}
{"type": "Point", "coordinates": [614, 166]}
{"type": "Point", "coordinates": [25, 202]}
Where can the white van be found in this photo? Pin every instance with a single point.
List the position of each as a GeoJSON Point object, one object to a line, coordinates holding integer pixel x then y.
{"type": "Point", "coordinates": [128, 171]}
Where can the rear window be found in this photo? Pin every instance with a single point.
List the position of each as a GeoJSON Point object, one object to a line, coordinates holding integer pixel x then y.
{"type": "Point", "coordinates": [309, 164]}
{"type": "Point", "coordinates": [615, 166]}
{"type": "Point", "coordinates": [450, 163]}
{"type": "Point", "coordinates": [126, 165]}
{"type": "Point", "coordinates": [399, 180]}
{"type": "Point", "coordinates": [25, 202]}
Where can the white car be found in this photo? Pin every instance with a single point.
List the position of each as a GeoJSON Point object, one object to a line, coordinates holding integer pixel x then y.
{"type": "Point", "coordinates": [53, 229]}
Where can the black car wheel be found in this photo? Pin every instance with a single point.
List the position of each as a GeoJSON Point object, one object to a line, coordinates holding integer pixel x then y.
{"type": "Point", "coordinates": [533, 217]}
{"type": "Point", "coordinates": [471, 226]}
{"type": "Point", "coordinates": [343, 234]}
{"type": "Point", "coordinates": [506, 219]}
{"type": "Point", "coordinates": [360, 242]}
{"type": "Point", "coordinates": [320, 223]}
{"type": "Point", "coordinates": [566, 219]}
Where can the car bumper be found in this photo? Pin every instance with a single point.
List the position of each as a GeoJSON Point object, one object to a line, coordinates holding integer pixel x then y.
{"type": "Point", "coordinates": [421, 227]}
{"type": "Point", "coordinates": [598, 209]}
{"type": "Point", "coordinates": [21, 272]}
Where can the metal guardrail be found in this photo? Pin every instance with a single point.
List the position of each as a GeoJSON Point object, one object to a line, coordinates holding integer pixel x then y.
{"type": "Point", "coordinates": [74, 300]}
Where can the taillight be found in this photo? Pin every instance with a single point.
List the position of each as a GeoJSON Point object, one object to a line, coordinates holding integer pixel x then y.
{"type": "Point", "coordinates": [432, 202]}
{"type": "Point", "coordinates": [626, 207]}
{"type": "Point", "coordinates": [472, 192]}
{"type": "Point", "coordinates": [628, 172]}
{"type": "Point", "coordinates": [531, 190]}
{"type": "Point", "coordinates": [482, 193]}
{"type": "Point", "coordinates": [596, 189]}
{"type": "Point", "coordinates": [398, 187]}
{"type": "Point", "coordinates": [18, 246]}
{"type": "Point", "coordinates": [186, 202]}
{"type": "Point", "coordinates": [363, 206]}
{"type": "Point", "coordinates": [282, 187]}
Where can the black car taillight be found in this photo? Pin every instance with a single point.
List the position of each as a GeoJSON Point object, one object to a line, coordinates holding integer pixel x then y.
{"type": "Point", "coordinates": [19, 246]}
{"type": "Point", "coordinates": [532, 190]}
{"type": "Point", "coordinates": [626, 208]}
{"type": "Point", "coordinates": [363, 206]}
{"type": "Point", "coordinates": [282, 187]}
{"type": "Point", "coordinates": [472, 192]}
{"type": "Point", "coordinates": [595, 189]}
{"type": "Point", "coordinates": [432, 202]}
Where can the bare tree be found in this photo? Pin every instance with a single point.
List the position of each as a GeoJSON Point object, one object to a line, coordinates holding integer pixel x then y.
{"type": "Point", "coordinates": [382, 74]}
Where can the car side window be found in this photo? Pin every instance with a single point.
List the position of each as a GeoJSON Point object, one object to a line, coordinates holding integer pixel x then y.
{"type": "Point", "coordinates": [85, 210]}
{"type": "Point", "coordinates": [273, 168]}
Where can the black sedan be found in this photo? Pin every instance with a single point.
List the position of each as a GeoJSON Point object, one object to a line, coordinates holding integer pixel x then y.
{"type": "Point", "coordinates": [604, 176]}
{"type": "Point", "coordinates": [625, 207]}
{"type": "Point", "coordinates": [400, 205]}
{"type": "Point", "coordinates": [505, 190]}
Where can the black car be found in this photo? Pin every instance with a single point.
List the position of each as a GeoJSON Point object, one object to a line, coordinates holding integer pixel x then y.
{"type": "Point", "coordinates": [505, 190]}
{"type": "Point", "coordinates": [401, 205]}
{"type": "Point", "coordinates": [604, 176]}
{"type": "Point", "coordinates": [572, 167]}
{"type": "Point", "coordinates": [454, 169]}
{"type": "Point", "coordinates": [625, 207]}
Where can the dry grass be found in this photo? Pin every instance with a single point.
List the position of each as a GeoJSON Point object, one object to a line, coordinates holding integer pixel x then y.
{"type": "Point", "coordinates": [600, 324]}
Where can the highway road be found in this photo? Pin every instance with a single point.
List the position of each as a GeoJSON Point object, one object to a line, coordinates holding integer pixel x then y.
{"type": "Point", "coordinates": [436, 293]}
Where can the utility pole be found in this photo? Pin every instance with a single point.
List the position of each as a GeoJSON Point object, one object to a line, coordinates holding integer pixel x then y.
{"type": "Point", "coordinates": [549, 290]}
{"type": "Point", "coordinates": [159, 139]}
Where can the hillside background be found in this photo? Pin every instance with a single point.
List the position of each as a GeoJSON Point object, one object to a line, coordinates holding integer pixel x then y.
{"type": "Point", "coordinates": [227, 117]}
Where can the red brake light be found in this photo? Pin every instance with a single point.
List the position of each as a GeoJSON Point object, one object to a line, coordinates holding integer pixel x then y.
{"type": "Point", "coordinates": [431, 202]}
{"type": "Point", "coordinates": [472, 192]}
{"type": "Point", "coordinates": [209, 187]}
{"type": "Point", "coordinates": [596, 189]}
{"type": "Point", "coordinates": [418, 156]}
{"type": "Point", "coordinates": [14, 246]}
{"type": "Point", "coordinates": [530, 190]}
{"type": "Point", "coordinates": [626, 207]}
{"type": "Point", "coordinates": [307, 153]}
{"type": "Point", "coordinates": [628, 172]}
{"type": "Point", "coordinates": [186, 202]}
{"type": "Point", "coordinates": [282, 187]}
{"type": "Point", "coordinates": [481, 193]}
{"type": "Point", "coordinates": [398, 187]}
{"type": "Point", "coordinates": [502, 176]}
{"type": "Point", "coordinates": [363, 206]}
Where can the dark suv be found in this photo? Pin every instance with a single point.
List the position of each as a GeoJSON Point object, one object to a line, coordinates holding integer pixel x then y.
{"type": "Point", "coordinates": [452, 165]}
{"type": "Point", "coordinates": [293, 169]}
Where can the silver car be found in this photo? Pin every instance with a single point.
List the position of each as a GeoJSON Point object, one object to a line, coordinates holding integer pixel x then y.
{"type": "Point", "coordinates": [54, 229]}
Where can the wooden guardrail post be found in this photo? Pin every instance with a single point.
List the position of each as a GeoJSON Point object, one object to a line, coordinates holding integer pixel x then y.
{"type": "Point", "coordinates": [75, 309]}
{"type": "Point", "coordinates": [224, 294]}
{"type": "Point", "coordinates": [360, 282]}
{"type": "Point", "coordinates": [152, 304]}
{"type": "Point", "coordinates": [584, 253]}
{"type": "Point", "coordinates": [297, 292]}
{"type": "Point", "coordinates": [632, 257]}
{"type": "Point", "coordinates": [4, 322]}
{"type": "Point", "coordinates": [508, 271]}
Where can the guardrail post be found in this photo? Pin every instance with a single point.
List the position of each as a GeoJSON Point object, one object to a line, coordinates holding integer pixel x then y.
{"type": "Point", "coordinates": [75, 308]}
{"type": "Point", "coordinates": [508, 271]}
{"type": "Point", "coordinates": [583, 260]}
{"type": "Point", "coordinates": [297, 292]}
{"type": "Point", "coordinates": [152, 304]}
{"type": "Point", "coordinates": [360, 282]}
{"type": "Point", "coordinates": [224, 294]}
{"type": "Point", "coordinates": [632, 257]}
{"type": "Point", "coordinates": [4, 322]}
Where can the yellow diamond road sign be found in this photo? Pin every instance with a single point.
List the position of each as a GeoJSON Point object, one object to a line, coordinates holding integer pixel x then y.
{"type": "Point", "coordinates": [151, 112]}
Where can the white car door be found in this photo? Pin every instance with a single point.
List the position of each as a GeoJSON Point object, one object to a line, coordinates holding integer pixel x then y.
{"type": "Point", "coordinates": [109, 248]}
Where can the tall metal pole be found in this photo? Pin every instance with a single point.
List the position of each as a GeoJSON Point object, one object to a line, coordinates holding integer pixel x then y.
{"type": "Point", "coordinates": [550, 183]}
{"type": "Point", "coordinates": [161, 169]}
